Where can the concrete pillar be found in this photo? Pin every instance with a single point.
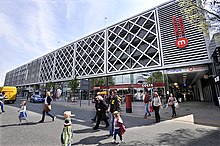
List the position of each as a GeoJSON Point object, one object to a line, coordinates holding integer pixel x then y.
{"type": "Point", "coordinates": [200, 90]}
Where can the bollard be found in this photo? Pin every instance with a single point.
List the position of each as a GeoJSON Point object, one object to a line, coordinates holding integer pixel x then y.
{"type": "Point", "coordinates": [128, 103]}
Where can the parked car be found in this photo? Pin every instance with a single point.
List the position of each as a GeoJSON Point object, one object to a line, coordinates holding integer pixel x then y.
{"type": "Point", "coordinates": [36, 98]}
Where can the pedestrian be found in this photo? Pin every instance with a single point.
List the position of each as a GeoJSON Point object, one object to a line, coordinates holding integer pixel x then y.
{"type": "Point", "coordinates": [47, 107]}
{"type": "Point", "coordinates": [156, 103]}
{"type": "Point", "coordinates": [2, 97]}
{"type": "Point", "coordinates": [113, 106]}
{"type": "Point", "coordinates": [22, 112]}
{"type": "Point", "coordinates": [66, 135]}
{"type": "Point", "coordinates": [101, 112]}
{"type": "Point", "coordinates": [119, 127]}
{"type": "Point", "coordinates": [96, 103]}
{"type": "Point", "coordinates": [147, 104]}
{"type": "Point", "coordinates": [171, 101]}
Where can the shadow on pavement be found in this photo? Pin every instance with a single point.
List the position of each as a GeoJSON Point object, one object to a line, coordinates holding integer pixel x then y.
{"type": "Point", "coordinates": [22, 124]}
{"type": "Point", "coordinates": [92, 140]}
{"type": "Point", "coordinates": [188, 137]}
{"type": "Point", "coordinates": [109, 144]}
{"type": "Point", "coordinates": [88, 130]}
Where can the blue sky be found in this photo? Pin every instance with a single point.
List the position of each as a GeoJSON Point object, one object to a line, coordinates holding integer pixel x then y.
{"type": "Point", "coordinates": [32, 28]}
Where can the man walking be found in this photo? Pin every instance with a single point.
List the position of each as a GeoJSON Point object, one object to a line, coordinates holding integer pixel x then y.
{"type": "Point", "coordinates": [147, 104]}
{"type": "Point", "coordinates": [113, 106]}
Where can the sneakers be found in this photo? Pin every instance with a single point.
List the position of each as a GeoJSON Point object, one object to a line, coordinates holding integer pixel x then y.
{"type": "Point", "coordinates": [121, 141]}
{"type": "Point", "coordinates": [113, 141]}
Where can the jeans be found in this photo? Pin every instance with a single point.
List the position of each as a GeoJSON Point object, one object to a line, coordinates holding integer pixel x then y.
{"type": "Point", "coordinates": [117, 131]}
{"type": "Point", "coordinates": [157, 114]}
{"type": "Point", "coordinates": [147, 106]}
{"type": "Point", "coordinates": [2, 106]}
{"type": "Point", "coordinates": [111, 127]}
{"type": "Point", "coordinates": [173, 110]}
{"type": "Point", "coordinates": [43, 115]}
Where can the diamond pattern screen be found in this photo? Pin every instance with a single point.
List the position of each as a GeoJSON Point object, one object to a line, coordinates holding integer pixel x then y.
{"type": "Point", "coordinates": [64, 63]}
{"type": "Point", "coordinates": [46, 72]}
{"type": "Point", "coordinates": [90, 53]}
{"type": "Point", "coordinates": [133, 44]}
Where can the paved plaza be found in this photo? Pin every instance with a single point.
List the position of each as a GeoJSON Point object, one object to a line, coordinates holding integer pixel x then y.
{"type": "Point", "coordinates": [196, 124]}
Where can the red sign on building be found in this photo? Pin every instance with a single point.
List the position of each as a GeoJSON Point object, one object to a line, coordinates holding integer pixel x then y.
{"type": "Point", "coordinates": [179, 31]}
{"type": "Point", "coordinates": [181, 42]}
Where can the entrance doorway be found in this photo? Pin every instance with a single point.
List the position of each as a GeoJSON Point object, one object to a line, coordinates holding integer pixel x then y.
{"type": "Point", "coordinates": [189, 84]}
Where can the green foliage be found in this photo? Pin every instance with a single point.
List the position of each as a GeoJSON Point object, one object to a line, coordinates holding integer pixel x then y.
{"type": "Point", "coordinates": [73, 84]}
{"type": "Point", "coordinates": [19, 90]}
{"type": "Point", "coordinates": [49, 85]}
{"type": "Point", "coordinates": [197, 15]}
{"type": "Point", "coordinates": [101, 81]}
{"type": "Point", "coordinates": [155, 77]}
{"type": "Point", "coordinates": [36, 86]}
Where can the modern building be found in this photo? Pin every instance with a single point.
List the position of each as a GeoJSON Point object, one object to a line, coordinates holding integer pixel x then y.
{"type": "Point", "coordinates": [159, 39]}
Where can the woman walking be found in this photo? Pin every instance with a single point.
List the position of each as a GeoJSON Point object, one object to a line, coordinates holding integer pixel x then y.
{"type": "Point", "coordinates": [101, 112]}
{"type": "Point", "coordinates": [47, 108]}
{"type": "Point", "coordinates": [156, 103]}
{"type": "Point", "coordinates": [171, 102]}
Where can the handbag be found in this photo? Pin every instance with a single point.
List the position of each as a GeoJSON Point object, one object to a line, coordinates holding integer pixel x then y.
{"type": "Point", "coordinates": [151, 109]}
{"type": "Point", "coordinates": [176, 104]}
{"type": "Point", "coordinates": [47, 107]}
{"type": "Point", "coordinates": [122, 129]}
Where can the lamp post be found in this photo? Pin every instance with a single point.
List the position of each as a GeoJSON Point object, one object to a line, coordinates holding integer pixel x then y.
{"type": "Point", "coordinates": [44, 88]}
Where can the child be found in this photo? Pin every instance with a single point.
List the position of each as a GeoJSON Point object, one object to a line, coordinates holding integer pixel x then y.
{"type": "Point", "coordinates": [22, 112]}
{"type": "Point", "coordinates": [66, 135]}
{"type": "Point", "coordinates": [2, 97]}
{"type": "Point", "coordinates": [119, 128]}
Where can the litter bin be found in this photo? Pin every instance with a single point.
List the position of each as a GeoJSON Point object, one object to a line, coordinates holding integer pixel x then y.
{"type": "Point", "coordinates": [128, 103]}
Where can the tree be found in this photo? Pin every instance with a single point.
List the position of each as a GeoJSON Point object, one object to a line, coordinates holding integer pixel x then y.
{"type": "Point", "coordinates": [73, 85]}
{"type": "Point", "coordinates": [155, 77]}
{"type": "Point", "coordinates": [101, 81]}
{"type": "Point", "coordinates": [203, 14]}
{"type": "Point", "coordinates": [36, 86]}
{"type": "Point", "coordinates": [49, 86]}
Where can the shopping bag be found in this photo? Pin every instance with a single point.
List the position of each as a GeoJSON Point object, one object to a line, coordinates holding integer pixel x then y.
{"type": "Point", "coordinates": [176, 104]}
{"type": "Point", "coordinates": [47, 107]}
{"type": "Point", "coordinates": [151, 109]}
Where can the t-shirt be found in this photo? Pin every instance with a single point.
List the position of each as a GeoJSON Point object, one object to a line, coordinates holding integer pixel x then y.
{"type": "Point", "coordinates": [146, 98]}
